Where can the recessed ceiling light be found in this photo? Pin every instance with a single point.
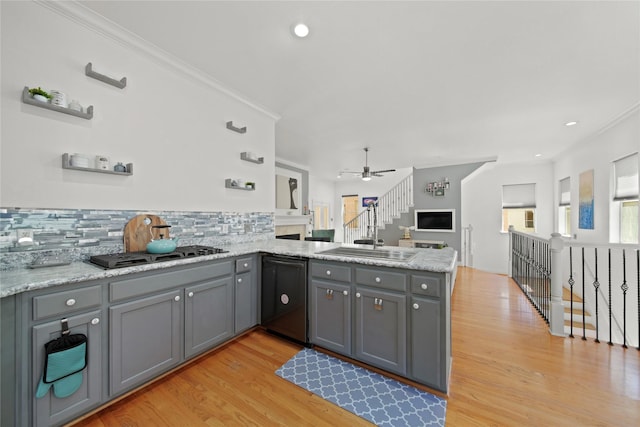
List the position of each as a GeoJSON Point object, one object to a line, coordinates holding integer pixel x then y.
{"type": "Point", "coordinates": [538, 155]}
{"type": "Point", "coordinates": [571, 123]}
{"type": "Point", "coordinates": [301, 30]}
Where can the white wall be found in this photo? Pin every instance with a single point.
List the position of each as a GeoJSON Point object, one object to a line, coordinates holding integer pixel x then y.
{"type": "Point", "coordinates": [482, 209]}
{"type": "Point", "coordinates": [378, 186]}
{"type": "Point", "coordinates": [170, 126]}
{"type": "Point", "coordinates": [322, 191]}
{"type": "Point", "coordinates": [620, 139]}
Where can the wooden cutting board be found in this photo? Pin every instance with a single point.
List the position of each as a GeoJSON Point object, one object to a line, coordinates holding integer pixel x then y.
{"type": "Point", "coordinates": [137, 234]}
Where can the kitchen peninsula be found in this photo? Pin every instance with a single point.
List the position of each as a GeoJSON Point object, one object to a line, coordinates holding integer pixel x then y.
{"type": "Point", "coordinates": [350, 297]}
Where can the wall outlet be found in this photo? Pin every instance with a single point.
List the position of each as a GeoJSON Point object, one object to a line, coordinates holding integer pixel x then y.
{"type": "Point", "coordinates": [24, 233]}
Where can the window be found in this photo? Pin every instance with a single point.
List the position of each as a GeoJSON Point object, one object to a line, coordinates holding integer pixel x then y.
{"type": "Point", "coordinates": [564, 207]}
{"type": "Point", "coordinates": [625, 197]}
{"type": "Point", "coordinates": [519, 207]}
{"type": "Point", "coordinates": [629, 221]}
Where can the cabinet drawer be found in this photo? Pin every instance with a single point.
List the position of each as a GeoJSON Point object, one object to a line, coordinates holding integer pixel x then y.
{"type": "Point", "coordinates": [141, 285]}
{"type": "Point", "coordinates": [426, 285]}
{"type": "Point", "coordinates": [381, 279]}
{"type": "Point", "coordinates": [61, 303]}
{"type": "Point", "coordinates": [339, 273]}
{"type": "Point", "coordinates": [244, 264]}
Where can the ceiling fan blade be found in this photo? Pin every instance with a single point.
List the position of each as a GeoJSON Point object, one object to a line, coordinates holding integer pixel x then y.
{"type": "Point", "coordinates": [384, 171]}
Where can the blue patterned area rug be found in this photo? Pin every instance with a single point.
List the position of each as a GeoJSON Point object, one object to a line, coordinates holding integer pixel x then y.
{"type": "Point", "coordinates": [374, 397]}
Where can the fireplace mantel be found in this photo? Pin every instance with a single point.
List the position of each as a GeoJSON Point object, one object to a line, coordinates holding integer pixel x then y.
{"type": "Point", "coordinates": [290, 224]}
{"type": "Point", "coordinates": [293, 220]}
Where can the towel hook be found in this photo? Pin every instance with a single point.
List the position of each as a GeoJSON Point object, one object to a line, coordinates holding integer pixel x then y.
{"type": "Point", "coordinates": [65, 326]}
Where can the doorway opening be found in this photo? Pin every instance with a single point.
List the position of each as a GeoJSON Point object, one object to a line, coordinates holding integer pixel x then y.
{"type": "Point", "coordinates": [350, 210]}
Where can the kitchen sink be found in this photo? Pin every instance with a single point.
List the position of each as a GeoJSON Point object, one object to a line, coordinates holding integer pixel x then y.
{"type": "Point", "coordinates": [388, 254]}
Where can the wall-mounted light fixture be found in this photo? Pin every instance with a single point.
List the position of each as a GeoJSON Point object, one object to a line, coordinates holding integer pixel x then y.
{"type": "Point", "coordinates": [437, 188]}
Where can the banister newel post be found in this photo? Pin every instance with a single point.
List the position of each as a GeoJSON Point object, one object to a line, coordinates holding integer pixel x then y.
{"type": "Point", "coordinates": [556, 314]}
{"type": "Point", "coordinates": [510, 265]}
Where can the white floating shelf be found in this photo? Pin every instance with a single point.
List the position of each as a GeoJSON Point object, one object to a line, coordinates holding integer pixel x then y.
{"type": "Point", "coordinates": [67, 165]}
{"type": "Point", "coordinates": [28, 99]}
{"type": "Point", "coordinates": [259, 160]}
{"type": "Point", "coordinates": [227, 184]}
{"type": "Point", "coordinates": [230, 126]}
{"type": "Point", "coordinates": [88, 70]}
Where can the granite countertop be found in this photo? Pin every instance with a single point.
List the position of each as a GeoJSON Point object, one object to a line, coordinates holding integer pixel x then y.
{"type": "Point", "coordinates": [27, 279]}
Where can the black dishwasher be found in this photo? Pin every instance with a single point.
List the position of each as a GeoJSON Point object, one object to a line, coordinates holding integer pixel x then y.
{"type": "Point", "coordinates": [284, 296]}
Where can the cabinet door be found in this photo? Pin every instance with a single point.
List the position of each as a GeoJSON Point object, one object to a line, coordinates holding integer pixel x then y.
{"type": "Point", "coordinates": [50, 410]}
{"type": "Point", "coordinates": [330, 316]}
{"type": "Point", "coordinates": [208, 315]}
{"type": "Point", "coordinates": [380, 331]}
{"type": "Point", "coordinates": [246, 301]}
{"type": "Point", "coordinates": [427, 357]}
{"type": "Point", "coordinates": [145, 339]}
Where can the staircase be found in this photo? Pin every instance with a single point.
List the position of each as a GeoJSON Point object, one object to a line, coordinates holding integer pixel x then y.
{"type": "Point", "coordinates": [391, 205]}
{"type": "Point", "coordinates": [578, 305]}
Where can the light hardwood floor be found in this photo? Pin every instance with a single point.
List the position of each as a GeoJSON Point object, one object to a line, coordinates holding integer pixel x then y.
{"type": "Point", "coordinates": [507, 371]}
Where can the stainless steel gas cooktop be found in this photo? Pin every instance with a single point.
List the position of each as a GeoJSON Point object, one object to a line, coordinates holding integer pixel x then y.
{"type": "Point", "coordinates": [129, 259]}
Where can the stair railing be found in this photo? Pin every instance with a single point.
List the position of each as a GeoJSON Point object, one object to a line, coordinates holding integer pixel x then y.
{"type": "Point", "coordinates": [609, 282]}
{"type": "Point", "coordinates": [607, 275]}
{"type": "Point", "coordinates": [390, 205]}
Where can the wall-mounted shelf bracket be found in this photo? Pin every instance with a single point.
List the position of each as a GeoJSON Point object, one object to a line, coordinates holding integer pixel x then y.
{"type": "Point", "coordinates": [108, 80]}
{"type": "Point", "coordinates": [230, 126]}
{"type": "Point", "coordinates": [28, 99]}
{"type": "Point", "coordinates": [245, 156]}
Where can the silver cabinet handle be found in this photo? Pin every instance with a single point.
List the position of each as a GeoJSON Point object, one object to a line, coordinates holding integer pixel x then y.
{"type": "Point", "coordinates": [358, 295]}
{"type": "Point", "coordinates": [246, 264]}
{"type": "Point", "coordinates": [95, 321]}
{"type": "Point", "coordinates": [190, 294]}
{"type": "Point", "coordinates": [378, 280]}
{"type": "Point", "coordinates": [424, 286]}
{"type": "Point", "coordinates": [328, 272]}
{"type": "Point", "coordinates": [345, 293]}
{"type": "Point", "coordinates": [177, 298]}
{"type": "Point", "coordinates": [239, 279]}
{"type": "Point", "coordinates": [416, 306]}
{"type": "Point", "coordinates": [70, 302]}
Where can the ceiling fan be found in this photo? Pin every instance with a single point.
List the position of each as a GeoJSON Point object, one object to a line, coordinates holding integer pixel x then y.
{"type": "Point", "coordinates": [367, 173]}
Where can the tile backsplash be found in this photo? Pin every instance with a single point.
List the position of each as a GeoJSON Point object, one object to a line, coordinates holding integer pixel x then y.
{"type": "Point", "coordinates": [76, 234]}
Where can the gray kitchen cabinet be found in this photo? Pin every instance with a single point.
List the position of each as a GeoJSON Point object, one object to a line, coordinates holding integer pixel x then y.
{"type": "Point", "coordinates": [380, 331]}
{"type": "Point", "coordinates": [145, 338]}
{"type": "Point", "coordinates": [50, 410]}
{"type": "Point", "coordinates": [330, 316]}
{"type": "Point", "coordinates": [426, 347]}
{"type": "Point", "coordinates": [208, 315]}
{"type": "Point", "coordinates": [246, 294]}
{"type": "Point", "coordinates": [152, 332]}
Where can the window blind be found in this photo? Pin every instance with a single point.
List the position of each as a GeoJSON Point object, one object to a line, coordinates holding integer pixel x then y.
{"type": "Point", "coordinates": [565, 192]}
{"type": "Point", "coordinates": [626, 178]}
{"type": "Point", "coordinates": [518, 196]}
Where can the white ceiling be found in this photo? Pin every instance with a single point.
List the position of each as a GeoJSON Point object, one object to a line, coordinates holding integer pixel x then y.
{"type": "Point", "coordinates": [419, 82]}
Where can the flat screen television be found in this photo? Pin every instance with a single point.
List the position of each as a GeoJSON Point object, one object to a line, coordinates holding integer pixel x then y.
{"type": "Point", "coordinates": [440, 220]}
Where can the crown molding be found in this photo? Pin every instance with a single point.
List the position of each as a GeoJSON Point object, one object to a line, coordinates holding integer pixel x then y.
{"type": "Point", "coordinates": [95, 22]}
{"type": "Point", "coordinates": [619, 118]}
{"type": "Point", "coordinates": [609, 124]}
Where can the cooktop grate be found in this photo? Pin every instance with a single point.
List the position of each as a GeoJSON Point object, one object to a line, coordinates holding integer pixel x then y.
{"type": "Point", "coordinates": [129, 259]}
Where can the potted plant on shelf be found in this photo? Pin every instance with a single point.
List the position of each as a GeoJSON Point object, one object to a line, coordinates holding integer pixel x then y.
{"type": "Point", "coordinates": [39, 94]}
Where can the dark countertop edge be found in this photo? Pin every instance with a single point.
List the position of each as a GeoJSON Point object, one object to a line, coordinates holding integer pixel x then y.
{"type": "Point", "coordinates": [94, 272]}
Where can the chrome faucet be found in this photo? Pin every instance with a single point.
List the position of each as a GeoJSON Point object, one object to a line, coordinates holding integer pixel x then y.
{"type": "Point", "coordinates": [374, 207]}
